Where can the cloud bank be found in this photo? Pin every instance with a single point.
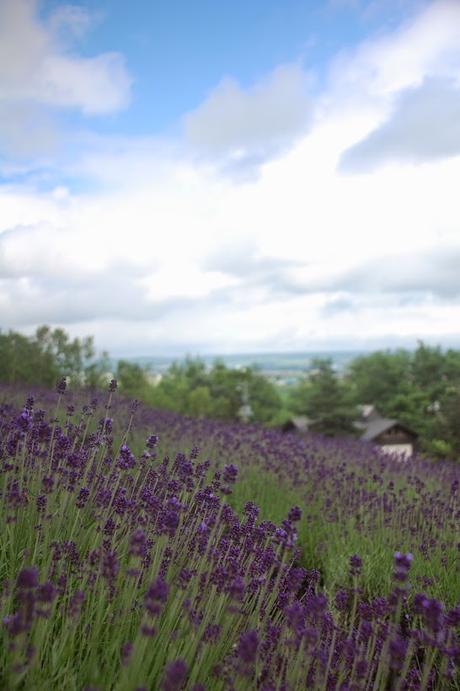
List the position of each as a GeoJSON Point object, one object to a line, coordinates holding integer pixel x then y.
{"type": "Point", "coordinates": [249, 228]}
{"type": "Point", "coordinates": [40, 72]}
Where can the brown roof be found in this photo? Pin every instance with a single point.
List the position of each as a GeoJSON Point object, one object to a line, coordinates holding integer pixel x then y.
{"type": "Point", "coordinates": [383, 424]}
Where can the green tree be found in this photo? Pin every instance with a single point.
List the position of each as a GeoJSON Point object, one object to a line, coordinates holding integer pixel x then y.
{"type": "Point", "coordinates": [97, 371]}
{"type": "Point", "coordinates": [327, 402]}
{"type": "Point", "coordinates": [264, 397]}
{"type": "Point", "coordinates": [377, 378]}
{"type": "Point", "coordinates": [132, 379]}
{"type": "Point", "coordinates": [44, 357]}
{"type": "Point", "coordinates": [199, 402]}
{"type": "Point", "coordinates": [446, 437]}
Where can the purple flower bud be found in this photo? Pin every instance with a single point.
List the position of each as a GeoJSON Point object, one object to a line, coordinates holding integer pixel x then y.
{"type": "Point", "coordinates": [28, 577]}
{"type": "Point", "coordinates": [175, 675]}
{"type": "Point", "coordinates": [295, 514]}
{"type": "Point", "coordinates": [356, 564]}
{"type": "Point", "coordinates": [156, 594]}
{"type": "Point", "coordinates": [361, 668]}
{"type": "Point", "coordinates": [397, 649]}
{"type": "Point", "coordinates": [152, 441]}
{"type": "Point", "coordinates": [248, 645]}
{"type": "Point", "coordinates": [126, 460]}
{"type": "Point", "coordinates": [76, 603]}
{"type": "Point", "coordinates": [126, 652]}
{"type": "Point", "coordinates": [453, 616]}
{"type": "Point", "coordinates": [237, 588]}
{"type": "Point", "coordinates": [46, 592]}
{"type": "Point", "coordinates": [402, 564]}
{"type": "Point", "coordinates": [113, 385]}
{"type": "Point", "coordinates": [61, 385]}
{"type": "Point", "coordinates": [342, 600]}
{"type": "Point", "coordinates": [230, 474]}
{"type": "Point", "coordinates": [82, 497]}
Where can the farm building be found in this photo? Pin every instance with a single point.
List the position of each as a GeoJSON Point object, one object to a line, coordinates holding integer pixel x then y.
{"type": "Point", "coordinates": [391, 435]}
{"type": "Point", "coordinates": [299, 423]}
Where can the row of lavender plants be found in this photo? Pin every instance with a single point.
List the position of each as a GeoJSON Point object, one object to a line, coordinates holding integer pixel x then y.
{"type": "Point", "coordinates": [123, 567]}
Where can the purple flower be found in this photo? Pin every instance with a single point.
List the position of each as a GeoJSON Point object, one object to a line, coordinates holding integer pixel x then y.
{"type": "Point", "coordinates": [158, 590]}
{"type": "Point", "coordinates": [126, 652]}
{"type": "Point", "coordinates": [156, 595]}
{"type": "Point", "coordinates": [397, 650]}
{"type": "Point", "coordinates": [46, 592]}
{"type": "Point", "coordinates": [82, 497]}
{"type": "Point", "coordinates": [113, 385]}
{"type": "Point", "coordinates": [230, 473]}
{"type": "Point", "coordinates": [110, 565]}
{"type": "Point", "coordinates": [236, 588]}
{"type": "Point", "coordinates": [175, 675]}
{"type": "Point", "coordinates": [76, 603]}
{"type": "Point", "coordinates": [342, 600]}
{"type": "Point", "coordinates": [126, 460]}
{"type": "Point", "coordinates": [248, 645]}
{"type": "Point", "coordinates": [295, 514]}
{"type": "Point", "coordinates": [138, 543]}
{"type": "Point", "coordinates": [28, 578]}
{"type": "Point", "coordinates": [361, 668]}
{"type": "Point", "coordinates": [453, 616]}
{"type": "Point", "coordinates": [152, 441]}
{"type": "Point", "coordinates": [433, 612]}
{"type": "Point", "coordinates": [61, 385]}
{"type": "Point", "coordinates": [356, 564]}
{"type": "Point", "coordinates": [402, 564]}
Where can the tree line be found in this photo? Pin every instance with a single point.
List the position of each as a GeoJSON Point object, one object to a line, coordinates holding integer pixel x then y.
{"type": "Point", "coordinates": [421, 388]}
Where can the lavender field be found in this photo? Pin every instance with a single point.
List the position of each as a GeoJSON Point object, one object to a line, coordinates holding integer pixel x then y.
{"type": "Point", "coordinates": [144, 550]}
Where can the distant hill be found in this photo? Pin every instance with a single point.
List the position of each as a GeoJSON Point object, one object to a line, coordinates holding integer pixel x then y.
{"type": "Point", "coordinates": [283, 365]}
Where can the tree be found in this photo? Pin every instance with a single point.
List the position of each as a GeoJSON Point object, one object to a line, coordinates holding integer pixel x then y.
{"type": "Point", "coordinates": [327, 401]}
{"type": "Point", "coordinates": [43, 358]}
{"type": "Point", "coordinates": [377, 378]}
{"type": "Point", "coordinates": [446, 438]}
{"type": "Point", "coordinates": [132, 379]}
{"type": "Point", "coordinates": [98, 371]}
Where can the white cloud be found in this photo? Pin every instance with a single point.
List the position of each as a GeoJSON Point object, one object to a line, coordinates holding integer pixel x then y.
{"type": "Point", "coordinates": [39, 72]}
{"type": "Point", "coordinates": [425, 125]}
{"type": "Point", "coordinates": [169, 252]}
{"type": "Point", "coordinates": [426, 45]}
{"type": "Point", "coordinates": [406, 85]}
{"type": "Point", "coordinates": [241, 128]}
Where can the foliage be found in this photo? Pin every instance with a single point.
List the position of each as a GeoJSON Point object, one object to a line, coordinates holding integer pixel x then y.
{"type": "Point", "coordinates": [47, 356]}
{"type": "Point", "coordinates": [420, 388]}
{"type": "Point", "coordinates": [191, 389]}
{"type": "Point", "coordinates": [325, 400]}
{"type": "Point", "coordinates": [132, 379]}
{"type": "Point", "coordinates": [123, 568]}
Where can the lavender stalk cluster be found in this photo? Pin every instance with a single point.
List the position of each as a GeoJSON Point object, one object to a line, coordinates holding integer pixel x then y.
{"type": "Point", "coordinates": [131, 560]}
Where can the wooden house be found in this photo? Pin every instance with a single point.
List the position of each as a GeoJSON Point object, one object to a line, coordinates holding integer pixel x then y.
{"type": "Point", "coordinates": [393, 436]}
{"type": "Point", "coordinates": [300, 423]}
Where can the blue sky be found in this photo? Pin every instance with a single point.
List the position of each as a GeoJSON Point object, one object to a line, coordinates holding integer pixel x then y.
{"type": "Point", "coordinates": [206, 176]}
{"type": "Point", "coordinates": [178, 51]}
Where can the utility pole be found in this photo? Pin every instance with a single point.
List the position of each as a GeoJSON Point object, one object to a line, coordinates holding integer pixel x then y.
{"type": "Point", "coordinates": [245, 411]}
